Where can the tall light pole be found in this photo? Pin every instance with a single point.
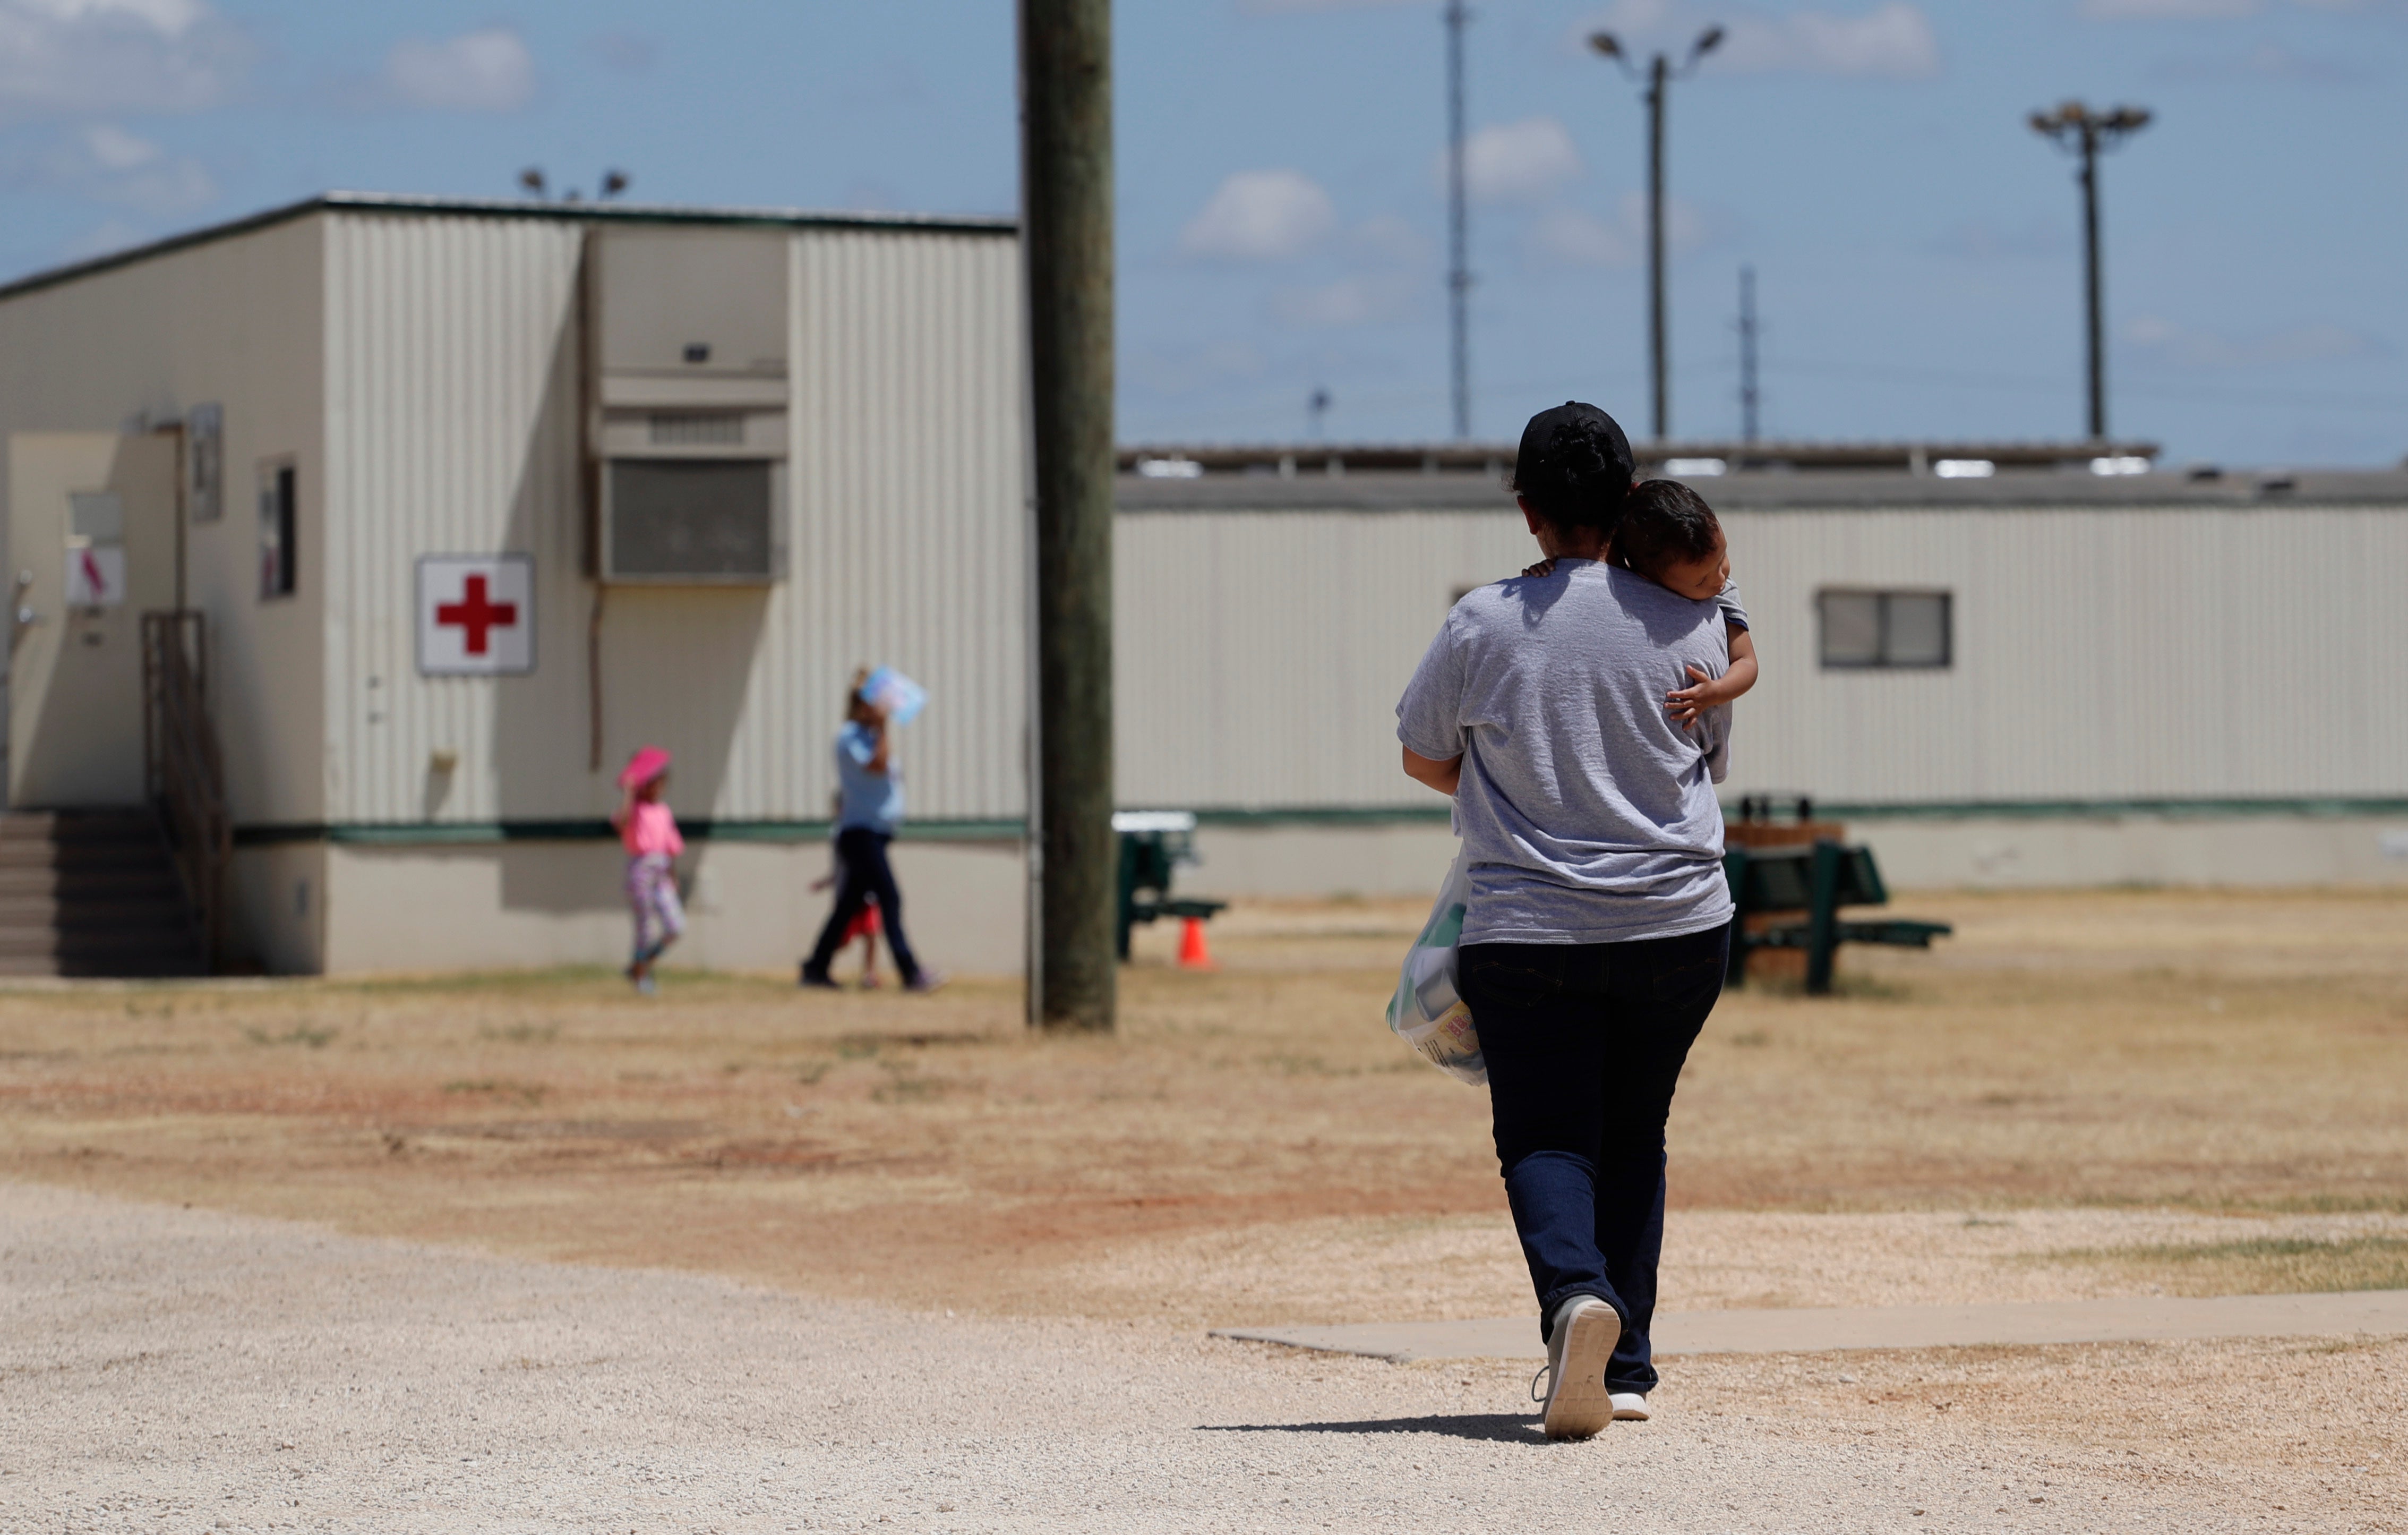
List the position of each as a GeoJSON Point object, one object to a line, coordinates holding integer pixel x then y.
{"type": "Point", "coordinates": [1660, 73]}
{"type": "Point", "coordinates": [2081, 130]}
{"type": "Point", "coordinates": [1459, 223]}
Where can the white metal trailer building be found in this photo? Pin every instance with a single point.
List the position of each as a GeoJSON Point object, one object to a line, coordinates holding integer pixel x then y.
{"type": "Point", "coordinates": [477, 497]}
{"type": "Point", "coordinates": [474, 498]}
{"type": "Point", "coordinates": [2042, 676]}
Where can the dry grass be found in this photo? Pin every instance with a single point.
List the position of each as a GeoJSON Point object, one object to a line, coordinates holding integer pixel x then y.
{"type": "Point", "coordinates": [2213, 1053]}
{"type": "Point", "coordinates": [2257, 1264]}
{"type": "Point", "coordinates": [2081, 1094]}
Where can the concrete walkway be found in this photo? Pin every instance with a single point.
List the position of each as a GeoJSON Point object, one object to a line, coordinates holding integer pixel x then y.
{"type": "Point", "coordinates": [1812, 1329]}
{"type": "Point", "coordinates": [175, 1370]}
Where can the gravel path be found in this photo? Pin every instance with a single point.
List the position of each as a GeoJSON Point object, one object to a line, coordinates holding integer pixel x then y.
{"type": "Point", "coordinates": [165, 1370]}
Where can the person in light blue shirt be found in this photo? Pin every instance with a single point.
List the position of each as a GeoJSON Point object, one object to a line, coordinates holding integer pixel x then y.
{"type": "Point", "coordinates": [870, 789]}
{"type": "Point", "coordinates": [869, 811]}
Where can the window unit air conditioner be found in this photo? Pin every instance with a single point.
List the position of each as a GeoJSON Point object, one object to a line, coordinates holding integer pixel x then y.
{"type": "Point", "coordinates": [690, 400]}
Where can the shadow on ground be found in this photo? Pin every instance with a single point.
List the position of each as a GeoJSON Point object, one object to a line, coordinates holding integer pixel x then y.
{"type": "Point", "coordinates": [1500, 1428]}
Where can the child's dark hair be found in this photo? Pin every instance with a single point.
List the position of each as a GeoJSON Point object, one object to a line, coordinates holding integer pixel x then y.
{"type": "Point", "coordinates": [1663, 522]}
{"type": "Point", "coordinates": [1574, 480]}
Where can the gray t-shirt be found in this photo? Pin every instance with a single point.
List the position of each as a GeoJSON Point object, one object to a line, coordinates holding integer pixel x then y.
{"type": "Point", "coordinates": [1587, 815]}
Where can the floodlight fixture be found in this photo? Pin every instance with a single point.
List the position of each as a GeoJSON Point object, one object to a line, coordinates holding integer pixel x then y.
{"type": "Point", "coordinates": [614, 183]}
{"type": "Point", "coordinates": [531, 180]}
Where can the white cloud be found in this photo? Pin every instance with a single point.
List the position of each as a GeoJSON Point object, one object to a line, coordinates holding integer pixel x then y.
{"type": "Point", "coordinates": [1575, 237]}
{"type": "Point", "coordinates": [113, 149]}
{"type": "Point", "coordinates": [1260, 215]}
{"type": "Point", "coordinates": [1578, 239]}
{"type": "Point", "coordinates": [485, 71]}
{"type": "Point", "coordinates": [107, 164]}
{"type": "Point", "coordinates": [64, 58]}
{"type": "Point", "coordinates": [1515, 161]}
{"type": "Point", "coordinates": [1359, 299]}
{"type": "Point", "coordinates": [2162, 341]}
{"type": "Point", "coordinates": [1892, 40]}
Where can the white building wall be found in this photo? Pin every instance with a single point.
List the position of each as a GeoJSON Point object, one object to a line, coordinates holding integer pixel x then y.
{"type": "Point", "coordinates": [234, 321]}
{"type": "Point", "coordinates": [452, 412]}
{"type": "Point", "coordinates": [454, 397]}
{"type": "Point", "coordinates": [2101, 654]}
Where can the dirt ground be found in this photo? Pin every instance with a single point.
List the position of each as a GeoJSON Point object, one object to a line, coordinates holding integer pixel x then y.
{"type": "Point", "coordinates": [2081, 1094]}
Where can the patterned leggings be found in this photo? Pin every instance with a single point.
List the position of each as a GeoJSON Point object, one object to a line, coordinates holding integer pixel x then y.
{"type": "Point", "coordinates": [653, 893]}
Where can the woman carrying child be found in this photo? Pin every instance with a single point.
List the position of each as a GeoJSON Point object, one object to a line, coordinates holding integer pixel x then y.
{"type": "Point", "coordinates": [1552, 708]}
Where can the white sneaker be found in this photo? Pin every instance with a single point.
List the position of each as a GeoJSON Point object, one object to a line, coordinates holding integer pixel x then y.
{"type": "Point", "coordinates": [1629, 1407]}
{"type": "Point", "coordinates": [1581, 1345]}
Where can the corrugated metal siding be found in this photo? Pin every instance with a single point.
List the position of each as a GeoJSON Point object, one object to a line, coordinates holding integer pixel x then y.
{"type": "Point", "coordinates": [909, 523]}
{"type": "Point", "coordinates": [2099, 654]}
{"type": "Point", "coordinates": [453, 429]}
{"type": "Point", "coordinates": [235, 322]}
{"type": "Point", "coordinates": [453, 406]}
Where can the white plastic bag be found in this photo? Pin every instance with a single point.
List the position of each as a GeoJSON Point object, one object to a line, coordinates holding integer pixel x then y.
{"type": "Point", "coordinates": [1427, 1012]}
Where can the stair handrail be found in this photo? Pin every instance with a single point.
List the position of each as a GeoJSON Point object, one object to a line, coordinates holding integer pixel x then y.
{"type": "Point", "coordinates": [183, 774]}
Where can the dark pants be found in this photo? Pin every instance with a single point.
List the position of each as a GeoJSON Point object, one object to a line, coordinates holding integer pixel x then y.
{"type": "Point", "coordinates": [1585, 1043]}
{"type": "Point", "coordinates": [865, 874]}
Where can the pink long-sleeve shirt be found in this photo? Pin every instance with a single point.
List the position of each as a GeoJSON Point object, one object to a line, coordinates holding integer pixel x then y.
{"type": "Point", "coordinates": [650, 829]}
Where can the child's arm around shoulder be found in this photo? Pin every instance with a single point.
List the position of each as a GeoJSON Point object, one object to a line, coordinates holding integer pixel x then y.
{"type": "Point", "coordinates": [1686, 704]}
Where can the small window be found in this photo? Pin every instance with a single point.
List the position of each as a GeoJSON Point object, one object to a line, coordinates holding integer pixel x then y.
{"type": "Point", "coordinates": [279, 553]}
{"type": "Point", "coordinates": [1885, 628]}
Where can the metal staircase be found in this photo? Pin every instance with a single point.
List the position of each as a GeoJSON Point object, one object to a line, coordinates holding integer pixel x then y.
{"type": "Point", "coordinates": [92, 893]}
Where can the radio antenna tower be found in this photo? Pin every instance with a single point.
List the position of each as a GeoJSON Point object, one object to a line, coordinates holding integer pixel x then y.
{"type": "Point", "coordinates": [1747, 333]}
{"type": "Point", "coordinates": [1458, 230]}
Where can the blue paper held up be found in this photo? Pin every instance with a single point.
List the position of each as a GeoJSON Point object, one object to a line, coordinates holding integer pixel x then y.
{"type": "Point", "coordinates": [900, 697]}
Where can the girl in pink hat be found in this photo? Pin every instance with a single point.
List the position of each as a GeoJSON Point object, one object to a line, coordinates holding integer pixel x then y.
{"type": "Point", "coordinates": [650, 834]}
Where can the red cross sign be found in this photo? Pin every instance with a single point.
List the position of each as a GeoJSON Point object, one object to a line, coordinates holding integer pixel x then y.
{"type": "Point", "coordinates": [475, 615]}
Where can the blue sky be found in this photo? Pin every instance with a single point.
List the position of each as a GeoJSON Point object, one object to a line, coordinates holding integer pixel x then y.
{"type": "Point", "coordinates": [1282, 220]}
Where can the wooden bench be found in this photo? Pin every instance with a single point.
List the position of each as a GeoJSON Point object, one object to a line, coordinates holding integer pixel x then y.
{"type": "Point", "coordinates": [1153, 845]}
{"type": "Point", "coordinates": [1818, 880]}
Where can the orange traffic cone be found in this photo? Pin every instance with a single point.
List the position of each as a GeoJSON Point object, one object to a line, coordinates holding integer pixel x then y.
{"type": "Point", "coordinates": [1193, 954]}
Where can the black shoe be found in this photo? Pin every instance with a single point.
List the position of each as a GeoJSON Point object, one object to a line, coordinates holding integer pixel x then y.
{"type": "Point", "coordinates": [818, 979]}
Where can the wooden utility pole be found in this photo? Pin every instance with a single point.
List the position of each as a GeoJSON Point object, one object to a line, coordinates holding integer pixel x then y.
{"type": "Point", "coordinates": [1066, 242]}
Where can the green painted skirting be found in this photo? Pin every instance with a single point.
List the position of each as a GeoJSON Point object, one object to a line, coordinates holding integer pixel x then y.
{"type": "Point", "coordinates": [471, 833]}
{"type": "Point", "coordinates": [477, 833]}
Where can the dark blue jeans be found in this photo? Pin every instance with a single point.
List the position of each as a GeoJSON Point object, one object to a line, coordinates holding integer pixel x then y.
{"type": "Point", "coordinates": [1585, 1043]}
{"type": "Point", "coordinates": [866, 873]}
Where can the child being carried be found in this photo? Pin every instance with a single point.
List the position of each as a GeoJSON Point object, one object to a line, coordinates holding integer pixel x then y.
{"type": "Point", "coordinates": [1667, 534]}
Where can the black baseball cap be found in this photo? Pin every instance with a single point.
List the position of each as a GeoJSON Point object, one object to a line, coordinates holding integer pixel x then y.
{"type": "Point", "coordinates": [1544, 437]}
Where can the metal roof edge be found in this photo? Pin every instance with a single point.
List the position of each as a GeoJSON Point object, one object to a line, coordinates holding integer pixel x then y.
{"type": "Point", "coordinates": [498, 208]}
{"type": "Point", "coordinates": [74, 271]}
